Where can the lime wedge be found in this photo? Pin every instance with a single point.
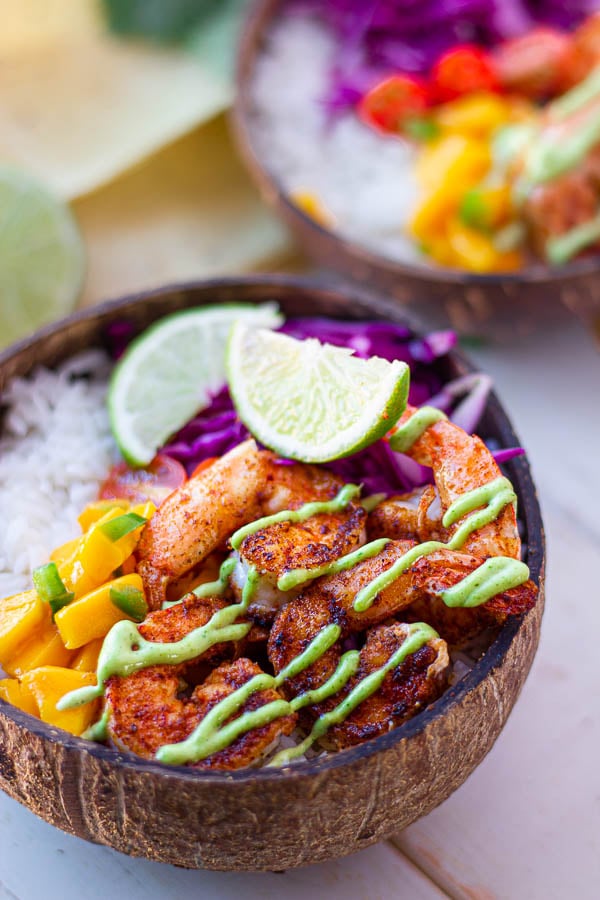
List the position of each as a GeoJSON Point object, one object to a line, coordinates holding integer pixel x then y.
{"type": "Point", "coordinates": [169, 373]}
{"type": "Point", "coordinates": [41, 257]}
{"type": "Point", "coordinates": [311, 401]}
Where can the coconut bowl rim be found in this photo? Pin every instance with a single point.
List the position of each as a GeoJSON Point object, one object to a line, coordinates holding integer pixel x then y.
{"type": "Point", "coordinates": [493, 655]}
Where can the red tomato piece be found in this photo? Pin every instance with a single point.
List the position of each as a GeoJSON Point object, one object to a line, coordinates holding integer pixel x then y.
{"type": "Point", "coordinates": [537, 64]}
{"type": "Point", "coordinates": [463, 70]}
{"type": "Point", "coordinates": [153, 482]}
{"type": "Point", "coordinates": [205, 464]}
{"type": "Point", "coordinates": [393, 101]}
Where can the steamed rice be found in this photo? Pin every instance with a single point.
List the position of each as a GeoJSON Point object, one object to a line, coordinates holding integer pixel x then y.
{"type": "Point", "coordinates": [365, 181]}
{"type": "Point", "coordinates": [56, 449]}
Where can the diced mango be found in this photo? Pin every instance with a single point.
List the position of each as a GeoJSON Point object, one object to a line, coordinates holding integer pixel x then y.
{"type": "Point", "coordinates": [312, 206]}
{"type": "Point", "coordinates": [98, 509]}
{"type": "Point", "coordinates": [86, 659]}
{"type": "Point", "coordinates": [12, 691]}
{"type": "Point", "coordinates": [472, 249]}
{"type": "Point", "coordinates": [96, 557]}
{"type": "Point", "coordinates": [48, 684]}
{"type": "Point", "coordinates": [64, 552]}
{"type": "Point", "coordinates": [454, 160]}
{"type": "Point", "coordinates": [44, 649]}
{"type": "Point", "coordinates": [93, 615]}
{"type": "Point", "coordinates": [475, 115]}
{"type": "Point", "coordinates": [20, 617]}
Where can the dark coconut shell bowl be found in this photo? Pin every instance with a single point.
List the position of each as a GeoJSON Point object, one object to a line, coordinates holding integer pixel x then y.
{"type": "Point", "coordinates": [498, 306]}
{"type": "Point", "coordinates": [269, 819]}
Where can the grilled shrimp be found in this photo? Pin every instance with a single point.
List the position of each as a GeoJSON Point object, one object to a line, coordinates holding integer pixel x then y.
{"type": "Point", "coordinates": [415, 516]}
{"type": "Point", "coordinates": [461, 463]}
{"type": "Point", "coordinates": [280, 548]}
{"type": "Point", "coordinates": [155, 706]}
{"type": "Point", "coordinates": [331, 599]}
{"type": "Point", "coordinates": [415, 683]}
{"type": "Point", "coordinates": [198, 517]}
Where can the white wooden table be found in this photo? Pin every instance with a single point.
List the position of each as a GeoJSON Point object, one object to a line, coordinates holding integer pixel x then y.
{"type": "Point", "coordinates": [526, 825]}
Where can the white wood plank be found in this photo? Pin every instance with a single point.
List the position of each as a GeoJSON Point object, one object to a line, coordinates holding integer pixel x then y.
{"type": "Point", "coordinates": [38, 861]}
{"type": "Point", "coordinates": [527, 822]}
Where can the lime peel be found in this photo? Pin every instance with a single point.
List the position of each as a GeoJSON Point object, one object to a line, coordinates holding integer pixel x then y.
{"type": "Point", "coordinates": [310, 401]}
{"type": "Point", "coordinates": [170, 372]}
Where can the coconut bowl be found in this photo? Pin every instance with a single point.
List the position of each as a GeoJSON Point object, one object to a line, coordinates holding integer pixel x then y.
{"type": "Point", "coordinates": [498, 306]}
{"type": "Point", "coordinates": [269, 819]}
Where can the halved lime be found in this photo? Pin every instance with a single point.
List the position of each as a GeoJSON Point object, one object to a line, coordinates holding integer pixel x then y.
{"type": "Point", "coordinates": [169, 373]}
{"type": "Point", "coordinates": [311, 401]}
{"type": "Point", "coordinates": [41, 256]}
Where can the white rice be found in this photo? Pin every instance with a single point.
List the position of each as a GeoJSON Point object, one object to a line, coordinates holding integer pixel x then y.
{"type": "Point", "coordinates": [55, 451]}
{"type": "Point", "coordinates": [365, 181]}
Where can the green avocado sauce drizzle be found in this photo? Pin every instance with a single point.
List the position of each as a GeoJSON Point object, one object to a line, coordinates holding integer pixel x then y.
{"type": "Point", "coordinates": [339, 502]}
{"type": "Point", "coordinates": [406, 435]}
{"type": "Point", "coordinates": [495, 495]}
{"type": "Point", "coordinates": [125, 651]}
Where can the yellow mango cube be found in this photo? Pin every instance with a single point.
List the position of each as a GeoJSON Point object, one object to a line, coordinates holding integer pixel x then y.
{"type": "Point", "coordinates": [476, 115]}
{"type": "Point", "coordinates": [20, 617]}
{"type": "Point", "coordinates": [473, 250]}
{"type": "Point", "coordinates": [86, 659]}
{"type": "Point", "coordinates": [97, 510]}
{"type": "Point", "coordinates": [12, 691]}
{"type": "Point", "coordinates": [44, 649]}
{"type": "Point", "coordinates": [48, 684]}
{"type": "Point", "coordinates": [93, 615]}
{"type": "Point", "coordinates": [451, 159]}
{"type": "Point", "coordinates": [95, 559]}
{"type": "Point", "coordinates": [64, 552]}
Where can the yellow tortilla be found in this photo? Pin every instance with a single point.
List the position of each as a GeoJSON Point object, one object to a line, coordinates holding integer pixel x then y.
{"type": "Point", "coordinates": [188, 212]}
{"type": "Point", "coordinates": [78, 106]}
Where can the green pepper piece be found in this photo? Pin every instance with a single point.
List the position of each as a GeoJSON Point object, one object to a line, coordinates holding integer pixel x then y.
{"type": "Point", "coordinates": [129, 600]}
{"type": "Point", "coordinates": [122, 525]}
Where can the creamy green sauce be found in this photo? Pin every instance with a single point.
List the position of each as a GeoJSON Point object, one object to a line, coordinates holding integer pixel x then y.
{"type": "Point", "coordinates": [564, 247]}
{"type": "Point", "coordinates": [296, 577]}
{"type": "Point", "coordinates": [339, 503]}
{"type": "Point", "coordinates": [551, 152]}
{"type": "Point", "coordinates": [212, 735]}
{"type": "Point", "coordinates": [496, 575]}
{"type": "Point", "coordinates": [211, 588]}
{"type": "Point", "coordinates": [99, 730]}
{"type": "Point", "coordinates": [125, 651]}
{"type": "Point", "coordinates": [419, 634]}
{"type": "Point", "coordinates": [496, 495]}
{"type": "Point", "coordinates": [406, 435]}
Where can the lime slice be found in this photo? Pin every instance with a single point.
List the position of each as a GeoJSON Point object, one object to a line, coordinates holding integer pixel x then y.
{"type": "Point", "coordinates": [171, 371]}
{"type": "Point", "coordinates": [311, 401]}
{"type": "Point", "coordinates": [41, 257]}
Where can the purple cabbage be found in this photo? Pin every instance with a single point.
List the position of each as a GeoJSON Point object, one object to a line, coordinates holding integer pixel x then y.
{"type": "Point", "coordinates": [379, 37]}
{"type": "Point", "coordinates": [217, 429]}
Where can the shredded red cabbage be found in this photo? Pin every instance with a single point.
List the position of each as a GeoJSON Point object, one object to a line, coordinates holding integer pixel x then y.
{"type": "Point", "coordinates": [216, 429]}
{"type": "Point", "coordinates": [379, 37]}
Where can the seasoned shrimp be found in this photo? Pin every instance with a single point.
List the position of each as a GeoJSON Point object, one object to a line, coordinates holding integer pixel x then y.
{"type": "Point", "coordinates": [331, 599]}
{"type": "Point", "coordinates": [415, 516]}
{"type": "Point", "coordinates": [282, 547]}
{"type": "Point", "coordinates": [412, 685]}
{"type": "Point", "coordinates": [198, 517]}
{"type": "Point", "coordinates": [156, 706]}
{"type": "Point", "coordinates": [462, 463]}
